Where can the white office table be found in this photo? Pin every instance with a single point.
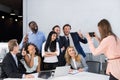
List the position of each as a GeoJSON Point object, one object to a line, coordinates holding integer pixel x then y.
{"type": "Point", "coordinates": [78, 76]}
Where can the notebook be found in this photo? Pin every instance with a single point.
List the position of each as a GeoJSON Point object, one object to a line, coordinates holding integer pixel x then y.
{"type": "Point", "coordinates": [59, 71]}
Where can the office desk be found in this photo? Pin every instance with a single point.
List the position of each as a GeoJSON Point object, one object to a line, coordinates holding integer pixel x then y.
{"type": "Point", "coordinates": [78, 76]}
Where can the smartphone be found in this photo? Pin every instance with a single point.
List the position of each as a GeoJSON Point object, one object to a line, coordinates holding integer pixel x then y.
{"type": "Point", "coordinates": [92, 34]}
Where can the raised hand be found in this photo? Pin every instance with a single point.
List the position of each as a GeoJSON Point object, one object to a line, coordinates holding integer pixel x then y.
{"type": "Point", "coordinates": [25, 39]}
{"type": "Point", "coordinates": [80, 34]}
{"type": "Point", "coordinates": [24, 52]}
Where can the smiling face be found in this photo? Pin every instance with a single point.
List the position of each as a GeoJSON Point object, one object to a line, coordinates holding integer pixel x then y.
{"type": "Point", "coordinates": [33, 26]}
{"type": "Point", "coordinates": [66, 30]}
{"type": "Point", "coordinates": [31, 49]}
{"type": "Point", "coordinates": [71, 52]}
{"type": "Point", "coordinates": [53, 37]}
{"type": "Point", "coordinates": [57, 30]}
{"type": "Point", "coordinates": [16, 48]}
{"type": "Point", "coordinates": [13, 46]}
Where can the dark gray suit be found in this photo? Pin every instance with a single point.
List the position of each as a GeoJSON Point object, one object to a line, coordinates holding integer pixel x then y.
{"type": "Point", "coordinates": [10, 69]}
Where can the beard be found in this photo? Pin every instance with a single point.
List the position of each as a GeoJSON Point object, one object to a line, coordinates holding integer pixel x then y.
{"type": "Point", "coordinates": [35, 30]}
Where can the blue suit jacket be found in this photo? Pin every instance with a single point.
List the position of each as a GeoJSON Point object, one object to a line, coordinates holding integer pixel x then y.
{"type": "Point", "coordinates": [76, 41]}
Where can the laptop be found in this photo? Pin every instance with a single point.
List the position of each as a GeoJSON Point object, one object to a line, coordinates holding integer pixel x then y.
{"type": "Point", "coordinates": [45, 74]}
{"type": "Point", "coordinates": [59, 71]}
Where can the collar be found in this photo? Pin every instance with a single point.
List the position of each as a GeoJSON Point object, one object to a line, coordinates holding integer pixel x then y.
{"type": "Point", "coordinates": [33, 33]}
{"type": "Point", "coordinates": [14, 55]}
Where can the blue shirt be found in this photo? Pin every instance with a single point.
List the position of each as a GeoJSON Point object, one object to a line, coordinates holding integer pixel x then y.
{"type": "Point", "coordinates": [36, 38]}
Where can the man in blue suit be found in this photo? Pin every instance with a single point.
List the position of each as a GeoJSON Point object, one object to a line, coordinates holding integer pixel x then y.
{"type": "Point", "coordinates": [74, 39]}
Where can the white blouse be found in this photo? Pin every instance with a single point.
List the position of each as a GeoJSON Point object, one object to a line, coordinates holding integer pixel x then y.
{"type": "Point", "coordinates": [51, 59]}
{"type": "Point", "coordinates": [74, 62]}
{"type": "Point", "coordinates": [34, 68]}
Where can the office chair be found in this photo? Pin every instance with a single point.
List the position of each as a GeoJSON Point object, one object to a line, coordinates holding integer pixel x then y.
{"type": "Point", "coordinates": [93, 66]}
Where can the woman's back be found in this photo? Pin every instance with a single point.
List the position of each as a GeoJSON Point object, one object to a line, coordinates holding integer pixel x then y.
{"type": "Point", "coordinates": [112, 47]}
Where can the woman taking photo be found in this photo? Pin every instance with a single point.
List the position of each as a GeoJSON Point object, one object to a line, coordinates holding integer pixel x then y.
{"type": "Point", "coordinates": [109, 46]}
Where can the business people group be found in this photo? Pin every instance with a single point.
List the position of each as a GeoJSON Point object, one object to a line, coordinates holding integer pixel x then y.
{"type": "Point", "coordinates": [64, 50]}
{"type": "Point", "coordinates": [51, 51]}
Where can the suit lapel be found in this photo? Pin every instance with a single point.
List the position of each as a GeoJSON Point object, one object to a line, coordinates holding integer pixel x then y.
{"type": "Point", "coordinates": [12, 60]}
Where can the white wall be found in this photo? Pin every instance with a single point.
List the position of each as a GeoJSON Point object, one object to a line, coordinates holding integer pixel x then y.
{"type": "Point", "coordinates": [80, 14]}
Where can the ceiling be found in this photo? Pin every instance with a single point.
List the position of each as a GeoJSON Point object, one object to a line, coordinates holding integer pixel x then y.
{"type": "Point", "coordinates": [13, 4]}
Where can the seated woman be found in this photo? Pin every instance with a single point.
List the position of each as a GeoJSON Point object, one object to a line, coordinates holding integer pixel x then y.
{"type": "Point", "coordinates": [32, 60]}
{"type": "Point", "coordinates": [76, 61]}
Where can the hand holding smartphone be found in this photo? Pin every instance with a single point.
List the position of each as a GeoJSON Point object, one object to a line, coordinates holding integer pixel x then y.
{"type": "Point", "coordinates": [92, 34]}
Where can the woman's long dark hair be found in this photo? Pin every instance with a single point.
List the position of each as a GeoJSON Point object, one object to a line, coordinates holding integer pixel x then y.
{"type": "Point", "coordinates": [106, 29]}
{"type": "Point", "coordinates": [50, 44]}
{"type": "Point", "coordinates": [28, 44]}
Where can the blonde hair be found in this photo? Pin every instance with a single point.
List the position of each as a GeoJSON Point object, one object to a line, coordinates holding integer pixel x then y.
{"type": "Point", "coordinates": [11, 44]}
{"type": "Point", "coordinates": [68, 57]}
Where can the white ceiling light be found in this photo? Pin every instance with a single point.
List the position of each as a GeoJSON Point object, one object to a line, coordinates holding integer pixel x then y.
{"type": "Point", "coordinates": [12, 12]}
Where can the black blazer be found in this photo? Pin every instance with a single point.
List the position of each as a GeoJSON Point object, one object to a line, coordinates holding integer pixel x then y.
{"type": "Point", "coordinates": [10, 69]}
{"type": "Point", "coordinates": [61, 59]}
{"type": "Point", "coordinates": [76, 41]}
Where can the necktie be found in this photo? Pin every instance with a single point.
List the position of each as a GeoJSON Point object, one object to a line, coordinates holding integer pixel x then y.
{"type": "Point", "coordinates": [68, 41]}
{"type": "Point", "coordinates": [57, 39]}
